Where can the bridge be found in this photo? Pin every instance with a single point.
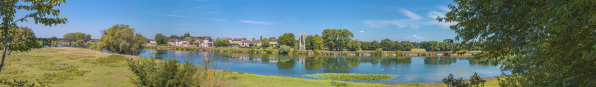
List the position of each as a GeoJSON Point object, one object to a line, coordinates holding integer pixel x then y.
{"type": "Point", "coordinates": [72, 40]}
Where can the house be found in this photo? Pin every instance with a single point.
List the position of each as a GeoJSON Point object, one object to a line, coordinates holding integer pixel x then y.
{"type": "Point", "coordinates": [237, 41]}
{"type": "Point", "coordinates": [184, 42]}
{"type": "Point", "coordinates": [245, 43]}
{"type": "Point", "coordinates": [273, 42]}
{"type": "Point", "coordinates": [152, 41]}
{"type": "Point", "coordinates": [172, 42]}
{"type": "Point", "coordinates": [207, 42]}
{"type": "Point", "coordinates": [256, 42]}
{"type": "Point", "coordinates": [225, 38]}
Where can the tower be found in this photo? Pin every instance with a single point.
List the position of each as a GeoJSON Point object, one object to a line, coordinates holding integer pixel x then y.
{"type": "Point", "coordinates": [301, 43]}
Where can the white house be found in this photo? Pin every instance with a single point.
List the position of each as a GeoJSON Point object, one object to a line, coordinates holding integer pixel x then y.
{"type": "Point", "coordinates": [152, 41]}
{"type": "Point", "coordinates": [207, 42]}
{"type": "Point", "coordinates": [273, 42]}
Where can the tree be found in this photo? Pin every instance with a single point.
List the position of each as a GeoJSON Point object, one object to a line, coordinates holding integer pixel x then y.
{"type": "Point", "coordinates": [174, 37]}
{"type": "Point", "coordinates": [375, 44]}
{"type": "Point", "coordinates": [314, 42]}
{"type": "Point", "coordinates": [251, 44]}
{"type": "Point", "coordinates": [265, 42]}
{"type": "Point", "coordinates": [10, 32]}
{"type": "Point", "coordinates": [407, 45]}
{"type": "Point", "coordinates": [88, 36]}
{"type": "Point", "coordinates": [79, 43]}
{"type": "Point", "coordinates": [221, 43]}
{"type": "Point", "coordinates": [283, 49]}
{"type": "Point", "coordinates": [353, 45]}
{"type": "Point", "coordinates": [365, 45]}
{"type": "Point", "coordinates": [434, 45]}
{"type": "Point", "coordinates": [185, 35]}
{"type": "Point", "coordinates": [122, 39]}
{"type": "Point", "coordinates": [336, 38]}
{"type": "Point", "coordinates": [271, 37]}
{"type": "Point", "coordinates": [547, 42]}
{"type": "Point", "coordinates": [287, 39]}
{"type": "Point", "coordinates": [387, 44]}
{"type": "Point", "coordinates": [191, 42]}
{"type": "Point", "coordinates": [261, 38]}
{"type": "Point", "coordinates": [161, 39]}
{"type": "Point", "coordinates": [76, 35]}
{"type": "Point", "coordinates": [398, 46]}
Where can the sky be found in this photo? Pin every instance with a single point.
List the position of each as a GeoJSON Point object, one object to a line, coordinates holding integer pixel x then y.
{"type": "Point", "coordinates": [368, 20]}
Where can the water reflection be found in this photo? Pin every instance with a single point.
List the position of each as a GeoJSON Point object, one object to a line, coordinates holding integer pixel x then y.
{"type": "Point", "coordinates": [409, 69]}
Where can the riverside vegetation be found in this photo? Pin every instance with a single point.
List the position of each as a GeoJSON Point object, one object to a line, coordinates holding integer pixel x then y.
{"type": "Point", "coordinates": [65, 66]}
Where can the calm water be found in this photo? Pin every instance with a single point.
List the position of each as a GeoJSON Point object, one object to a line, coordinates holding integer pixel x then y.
{"type": "Point", "coordinates": [409, 69]}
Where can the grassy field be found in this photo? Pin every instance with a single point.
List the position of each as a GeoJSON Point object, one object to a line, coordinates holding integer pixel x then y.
{"type": "Point", "coordinates": [67, 67]}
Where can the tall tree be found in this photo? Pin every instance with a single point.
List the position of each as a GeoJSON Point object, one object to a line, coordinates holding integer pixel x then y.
{"type": "Point", "coordinates": [365, 45]}
{"type": "Point", "coordinates": [41, 10]}
{"type": "Point", "coordinates": [122, 39]}
{"type": "Point", "coordinates": [265, 42]}
{"type": "Point", "coordinates": [547, 42]}
{"type": "Point", "coordinates": [387, 44]}
{"type": "Point", "coordinates": [407, 45]}
{"type": "Point", "coordinates": [336, 38]}
{"type": "Point", "coordinates": [375, 44]}
{"type": "Point", "coordinates": [287, 39]}
{"type": "Point", "coordinates": [161, 39]}
{"type": "Point", "coordinates": [398, 46]}
{"type": "Point", "coordinates": [88, 36]}
{"type": "Point", "coordinates": [353, 45]}
{"type": "Point", "coordinates": [314, 42]}
{"type": "Point", "coordinates": [174, 37]}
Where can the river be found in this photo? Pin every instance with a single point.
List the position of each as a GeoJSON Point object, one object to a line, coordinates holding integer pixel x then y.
{"type": "Point", "coordinates": [409, 69]}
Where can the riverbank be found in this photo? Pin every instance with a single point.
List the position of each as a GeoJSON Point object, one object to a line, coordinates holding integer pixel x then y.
{"type": "Point", "coordinates": [310, 52]}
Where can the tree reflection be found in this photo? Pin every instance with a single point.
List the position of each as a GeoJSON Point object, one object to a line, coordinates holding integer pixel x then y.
{"type": "Point", "coordinates": [286, 63]}
{"type": "Point", "coordinates": [344, 64]}
{"type": "Point", "coordinates": [439, 61]}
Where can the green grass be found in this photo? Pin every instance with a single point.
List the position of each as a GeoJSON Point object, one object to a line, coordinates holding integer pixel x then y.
{"type": "Point", "coordinates": [418, 50]}
{"type": "Point", "coordinates": [67, 67]}
{"type": "Point", "coordinates": [351, 76]}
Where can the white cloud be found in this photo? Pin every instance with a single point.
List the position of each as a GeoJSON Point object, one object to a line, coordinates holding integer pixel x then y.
{"type": "Point", "coordinates": [256, 22]}
{"type": "Point", "coordinates": [361, 31]}
{"type": "Point", "coordinates": [414, 37]}
{"type": "Point", "coordinates": [291, 19]}
{"type": "Point", "coordinates": [414, 21]}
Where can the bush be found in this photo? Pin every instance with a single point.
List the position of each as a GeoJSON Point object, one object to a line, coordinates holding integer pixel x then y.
{"type": "Point", "coordinates": [80, 43]}
{"type": "Point", "coordinates": [163, 73]}
{"type": "Point", "coordinates": [379, 51]}
{"type": "Point", "coordinates": [475, 80]}
{"type": "Point", "coordinates": [339, 84]}
{"type": "Point", "coordinates": [269, 50]}
{"type": "Point", "coordinates": [164, 45]}
{"type": "Point", "coordinates": [283, 49]}
{"type": "Point", "coordinates": [351, 76]}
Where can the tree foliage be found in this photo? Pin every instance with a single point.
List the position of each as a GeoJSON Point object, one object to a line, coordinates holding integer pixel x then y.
{"type": "Point", "coordinates": [314, 42]}
{"type": "Point", "coordinates": [161, 39]}
{"type": "Point", "coordinates": [167, 73]}
{"type": "Point", "coordinates": [174, 37]}
{"type": "Point", "coordinates": [387, 44]}
{"type": "Point", "coordinates": [546, 42]}
{"type": "Point", "coordinates": [283, 49]}
{"type": "Point", "coordinates": [79, 43]}
{"type": "Point", "coordinates": [353, 45]}
{"type": "Point", "coordinates": [374, 45]}
{"type": "Point", "coordinates": [222, 43]}
{"type": "Point", "coordinates": [11, 35]}
{"type": "Point", "coordinates": [265, 42]}
{"type": "Point", "coordinates": [122, 39]}
{"type": "Point", "coordinates": [287, 39]}
{"type": "Point", "coordinates": [76, 35]}
{"type": "Point", "coordinates": [336, 38]}
{"type": "Point", "coordinates": [407, 45]}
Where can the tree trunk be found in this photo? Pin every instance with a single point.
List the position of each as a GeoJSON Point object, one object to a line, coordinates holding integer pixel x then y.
{"type": "Point", "coordinates": [3, 54]}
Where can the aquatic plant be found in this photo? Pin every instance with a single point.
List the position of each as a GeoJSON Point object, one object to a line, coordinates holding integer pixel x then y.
{"type": "Point", "coordinates": [352, 76]}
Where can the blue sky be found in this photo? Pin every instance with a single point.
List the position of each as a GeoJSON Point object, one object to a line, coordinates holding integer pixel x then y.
{"type": "Point", "coordinates": [411, 20]}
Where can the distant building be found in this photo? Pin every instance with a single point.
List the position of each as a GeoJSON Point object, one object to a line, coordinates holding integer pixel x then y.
{"type": "Point", "coordinates": [152, 41]}
{"type": "Point", "coordinates": [237, 41]}
{"type": "Point", "coordinates": [273, 42]}
{"type": "Point", "coordinates": [207, 42]}
{"type": "Point", "coordinates": [172, 42]}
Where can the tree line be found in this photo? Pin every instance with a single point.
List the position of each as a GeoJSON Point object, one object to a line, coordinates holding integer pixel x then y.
{"type": "Point", "coordinates": [77, 35]}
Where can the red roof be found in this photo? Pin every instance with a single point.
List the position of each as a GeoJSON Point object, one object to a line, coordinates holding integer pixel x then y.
{"type": "Point", "coordinates": [237, 39]}
{"type": "Point", "coordinates": [172, 40]}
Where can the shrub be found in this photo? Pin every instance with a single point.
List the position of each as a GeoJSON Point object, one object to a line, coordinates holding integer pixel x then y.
{"type": "Point", "coordinates": [339, 84]}
{"type": "Point", "coordinates": [80, 43]}
{"type": "Point", "coordinates": [475, 80]}
{"type": "Point", "coordinates": [23, 83]}
{"type": "Point", "coordinates": [269, 50]}
{"type": "Point", "coordinates": [283, 49]}
{"type": "Point", "coordinates": [379, 51]}
{"type": "Point", "coordinates": [163, 73]}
